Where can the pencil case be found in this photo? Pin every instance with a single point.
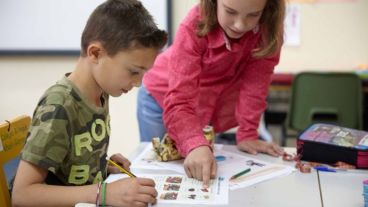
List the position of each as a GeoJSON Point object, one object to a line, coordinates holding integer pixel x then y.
{"type": "Point", "coordinates": [330, 144]}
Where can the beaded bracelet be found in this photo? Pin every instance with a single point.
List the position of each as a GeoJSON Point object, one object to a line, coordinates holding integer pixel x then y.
{"type": "Point", "coordinates": [103, 194]}
{"type": "Point", "coordinates": [98, 193]}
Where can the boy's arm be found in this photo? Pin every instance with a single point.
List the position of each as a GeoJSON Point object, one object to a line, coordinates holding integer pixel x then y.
{"type": "Point", "coordinates": [30, 189]}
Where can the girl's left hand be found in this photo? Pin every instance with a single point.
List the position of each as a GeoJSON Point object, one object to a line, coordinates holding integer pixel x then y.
{"type": "Point", "coordinates": [256, 146]}
{"type": "Point", "coordinates": [120, 160]}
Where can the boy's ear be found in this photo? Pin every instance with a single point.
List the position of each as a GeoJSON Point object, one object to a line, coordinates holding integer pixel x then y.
{"type": "Point", "coordinates": [94, 51]}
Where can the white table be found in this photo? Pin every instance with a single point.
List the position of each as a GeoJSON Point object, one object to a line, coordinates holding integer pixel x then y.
{"type": "Point", "coordinates": [293, 190]}
{"type": "Point", "coordinates": [342, 189]}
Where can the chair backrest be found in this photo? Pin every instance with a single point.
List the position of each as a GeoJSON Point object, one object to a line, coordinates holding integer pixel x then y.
{"type": "Point", "coordinates": [326, 97]}
{"type": "Point", "coordinates": [13, 134]}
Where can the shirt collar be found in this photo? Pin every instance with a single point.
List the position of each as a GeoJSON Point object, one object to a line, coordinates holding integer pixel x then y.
{"type": "Point", "coordinates": [218, 38]}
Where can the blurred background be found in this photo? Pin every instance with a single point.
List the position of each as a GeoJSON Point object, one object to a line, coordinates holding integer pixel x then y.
{"type": "Point", "coordinates": [325, 35]}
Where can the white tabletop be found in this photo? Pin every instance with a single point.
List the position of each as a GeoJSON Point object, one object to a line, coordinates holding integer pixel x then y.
{"type": "Point", "coordinates": [342, 189]}
{"type": "Point", "coordinates": [296, 189]}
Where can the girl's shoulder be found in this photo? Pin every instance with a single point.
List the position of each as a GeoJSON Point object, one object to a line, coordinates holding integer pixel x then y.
{"type": "Point", "coordinates": [192, 18]}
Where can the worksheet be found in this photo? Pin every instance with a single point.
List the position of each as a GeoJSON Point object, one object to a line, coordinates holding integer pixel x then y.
{"type": "Point", "coordinates": [228, 165]}
{"type": "Point", "coordinates": [179, 189]}
{"type": "Point", "coordinates": [147, 160]}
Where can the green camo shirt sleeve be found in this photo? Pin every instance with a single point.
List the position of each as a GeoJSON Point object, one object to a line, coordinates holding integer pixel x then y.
{"type": "Point", "coordinates": [48, 141]}
{"type": "Point", "coordinates": [69, 136]}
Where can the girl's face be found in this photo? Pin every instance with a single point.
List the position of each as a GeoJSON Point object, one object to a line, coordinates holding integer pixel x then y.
{"type": "Point", "coordinates": [236, 17]}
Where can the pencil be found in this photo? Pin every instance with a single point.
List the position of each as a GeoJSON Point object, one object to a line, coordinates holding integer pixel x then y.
{"type": "Point", "coordinates": [240, 174]}
{"type": "Point", "coordinates": [121, 169]}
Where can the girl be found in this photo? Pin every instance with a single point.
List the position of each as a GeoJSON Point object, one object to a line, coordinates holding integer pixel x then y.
{"type": "Point", "coordinates": [217, 72]}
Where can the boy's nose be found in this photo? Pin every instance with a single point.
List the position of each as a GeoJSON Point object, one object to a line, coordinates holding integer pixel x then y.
{"type": "Point", "coordinates": [137, 83]}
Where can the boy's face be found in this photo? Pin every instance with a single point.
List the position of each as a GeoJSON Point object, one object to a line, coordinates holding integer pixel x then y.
{"type": "Point", "coordinates": [119, 74]}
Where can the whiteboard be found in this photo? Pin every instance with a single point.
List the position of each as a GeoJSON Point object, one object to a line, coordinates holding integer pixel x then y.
{"type": "Point", "coordinates": [55, 25]}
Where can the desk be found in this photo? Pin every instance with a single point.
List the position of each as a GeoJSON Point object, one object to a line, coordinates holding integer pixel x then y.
{"type": "Point", "coordinates": [287, 191]}
{"type": "Point", "coordinates": [342, 189]}
{"type": "Point", "coordinates": [297, 189]}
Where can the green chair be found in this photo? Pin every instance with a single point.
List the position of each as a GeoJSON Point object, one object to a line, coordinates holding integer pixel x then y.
{"type": "Point", "coordinates": [324, 97]}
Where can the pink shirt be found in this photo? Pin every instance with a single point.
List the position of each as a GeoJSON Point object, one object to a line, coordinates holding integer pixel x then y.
{"type": "Point", "coordinates": [210, 80]}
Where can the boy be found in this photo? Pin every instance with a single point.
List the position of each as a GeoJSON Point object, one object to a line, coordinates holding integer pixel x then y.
{"type": "Point", "coordinates": [64, 159]}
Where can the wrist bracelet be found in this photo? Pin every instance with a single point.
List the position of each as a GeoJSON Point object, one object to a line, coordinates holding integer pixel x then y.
{"type": "Point", "coordinates": [98, 193]}
{"type": "Point", "coordinates": [103, 194]}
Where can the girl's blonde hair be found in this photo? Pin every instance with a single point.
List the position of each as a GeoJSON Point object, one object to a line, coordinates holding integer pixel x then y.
{"type": "Point", "coordinates": [271, 25]}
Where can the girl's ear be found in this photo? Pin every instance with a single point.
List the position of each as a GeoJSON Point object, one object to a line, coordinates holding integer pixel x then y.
{"type": "Point", "coordinates": [94, 51]}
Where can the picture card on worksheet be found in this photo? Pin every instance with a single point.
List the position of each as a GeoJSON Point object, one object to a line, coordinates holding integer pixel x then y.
{"type": "Point", "coordinates": [179, 189]}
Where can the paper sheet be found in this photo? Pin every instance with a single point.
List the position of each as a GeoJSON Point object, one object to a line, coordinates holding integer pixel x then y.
{"type": "Point", "coordinates": [292, 25]}
{"type": "Point", "coordinates": [228, 164]}
{"type": "Point", "coordinates": [146, 160]}
{"type": "Point", "coordinates": [259, 170]}
{"type": "Point", "coordinates": [179, 189]}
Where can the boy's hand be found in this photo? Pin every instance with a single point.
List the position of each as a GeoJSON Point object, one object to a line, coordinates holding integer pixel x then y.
{"type": "Point", "coordinates": [201, 165]}
{"type": "Point", "coordinates": [120, 160]}
{"type": "Point", "coordinates": [255, 146]}
{"type": "Point", "coordinates": [131, 192]}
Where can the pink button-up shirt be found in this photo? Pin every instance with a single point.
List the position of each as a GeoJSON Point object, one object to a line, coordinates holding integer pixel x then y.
{"type": "Point", "coordinates": [210, 80]}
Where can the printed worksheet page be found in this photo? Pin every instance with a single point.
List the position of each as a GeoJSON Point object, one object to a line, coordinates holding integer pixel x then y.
{"type": "Point", "coordinates": [180, 189]}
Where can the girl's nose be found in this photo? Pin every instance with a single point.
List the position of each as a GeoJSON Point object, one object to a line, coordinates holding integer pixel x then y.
{"type": "Point", "coordinates": [240, 25]}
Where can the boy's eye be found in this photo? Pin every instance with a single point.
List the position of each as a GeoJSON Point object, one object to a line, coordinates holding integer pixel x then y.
{"type": "Point", "coordinates": [134, 72]}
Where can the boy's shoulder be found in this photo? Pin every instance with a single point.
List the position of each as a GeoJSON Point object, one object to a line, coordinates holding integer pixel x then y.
{"type": "Point", "coordinates": [61, 93]}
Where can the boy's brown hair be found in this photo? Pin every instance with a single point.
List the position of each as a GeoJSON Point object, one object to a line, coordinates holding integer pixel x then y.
{"type": "Point", "coordinates": [120, 25]}
{"type": "Point", "coordinates": [271, 24]}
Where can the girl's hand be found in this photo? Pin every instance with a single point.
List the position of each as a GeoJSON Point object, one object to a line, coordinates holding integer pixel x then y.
{"type": "Point", "coordinates": [120, 160]}
{"type": "Point", "coordinates": [131, 192]}
{"type": "Point", "coordinates": [256, 146]}
{"type": "Point", "coordinates": [201, 165]}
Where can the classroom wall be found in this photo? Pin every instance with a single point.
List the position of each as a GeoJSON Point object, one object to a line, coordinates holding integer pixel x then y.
{"type": "Point", "coordinates": [334, 36]}
{"type": "Point", "coordinates": [24, 79]}
{"type": "Point", "coordinates": [342, 45]}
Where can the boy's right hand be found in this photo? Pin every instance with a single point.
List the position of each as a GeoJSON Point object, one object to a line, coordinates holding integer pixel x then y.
{"type": "Point", "coordinates": [131, 192]}
{"type": "Point", "coordinates": [201, 164]}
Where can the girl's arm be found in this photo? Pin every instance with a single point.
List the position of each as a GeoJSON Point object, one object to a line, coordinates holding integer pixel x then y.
{"type": "Point", "coordinates": [181, 103]}
{"type": "Point", "coordinates": [181, 100]}
{"type": "Point", "coordinates": [252, 103]}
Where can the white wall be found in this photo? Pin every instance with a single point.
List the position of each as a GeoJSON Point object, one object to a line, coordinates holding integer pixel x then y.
{"type": "Point", "coordinates": [341, 44]}
{"type": "Point", "coordinates": [334, 36]}
{"type": "Point", "coordinates": [24, 79]}
{"type": "Point", "coordinates": [37, 24]}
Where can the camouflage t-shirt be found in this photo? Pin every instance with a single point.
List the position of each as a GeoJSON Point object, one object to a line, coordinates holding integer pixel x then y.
{"type": "Point", "coordinates": [69, 136]}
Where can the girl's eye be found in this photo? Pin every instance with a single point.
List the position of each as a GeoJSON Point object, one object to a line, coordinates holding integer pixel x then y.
{"type": "Point", "coordinates": [255, 15]}
{"type": "Point", "coordinates": [230, 12]}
